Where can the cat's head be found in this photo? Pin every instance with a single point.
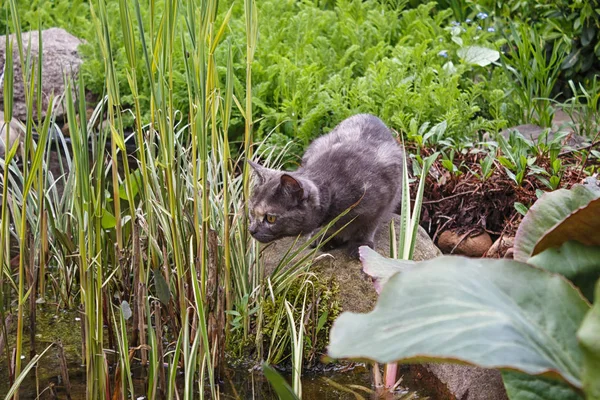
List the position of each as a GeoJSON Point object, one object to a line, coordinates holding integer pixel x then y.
{"type": "Point", "coordinates": [282, 204]}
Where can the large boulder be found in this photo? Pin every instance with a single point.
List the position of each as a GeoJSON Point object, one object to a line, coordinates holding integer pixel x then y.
{"type": "Point", "coordinates": [59, 57]}
{"type": "Point", "coordinates": [469, 383]}
{"type": "Point", "coordinates": [356, 289]}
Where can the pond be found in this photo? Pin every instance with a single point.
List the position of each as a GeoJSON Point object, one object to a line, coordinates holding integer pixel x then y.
{"type": "Point", "coordinates": [240, 382]}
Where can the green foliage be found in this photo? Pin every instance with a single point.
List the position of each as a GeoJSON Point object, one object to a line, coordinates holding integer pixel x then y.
{"type": "Point", "coordinates": [521, 157]}
{"type": "Point", "coordinates": [515, 156]}
{"type": "Point", "coordinates": [403, 66]}
{"type": "Point", "coordinates": [487, 168]}
{"type": "Point", "coordinates": [572, 25]}
{"type": "Point", "coordinates": [316, 65]}
{"type": "Point", "coordinates": [448, 163]}
{"type": "Point", "coordinates": [584, 108]}
{"type": "Point", "coordinates": [73, 16]}
{"type": "Point", "coordinates": [93, 68]}
{"type": "Point", "coordinates": [536, 74]}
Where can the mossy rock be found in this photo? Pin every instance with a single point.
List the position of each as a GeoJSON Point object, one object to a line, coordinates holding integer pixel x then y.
{"type": "Point", "coordinates": [355, 288]}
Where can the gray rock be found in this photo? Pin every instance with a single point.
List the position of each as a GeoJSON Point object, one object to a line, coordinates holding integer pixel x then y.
{"type": "Point", "coordinates": [470, 383]}
{"type": "Point", "coordinates": [356, 289]}
{"type": "Point", "coordinates": [59, 57]}
{"type": "Point", "coordinates": [15, 132]}
{"type": "Point", "coordinates": [533, 132]}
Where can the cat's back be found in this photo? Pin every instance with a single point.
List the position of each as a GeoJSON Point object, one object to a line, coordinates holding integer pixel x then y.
{"type": "Point", "coordinates": [362, 138]}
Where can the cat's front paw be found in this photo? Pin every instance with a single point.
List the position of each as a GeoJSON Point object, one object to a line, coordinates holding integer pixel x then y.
{"type": "Point", "coordinates": [354, 246]}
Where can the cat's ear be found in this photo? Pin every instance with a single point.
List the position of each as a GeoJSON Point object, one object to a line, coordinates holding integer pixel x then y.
{"type": "Point", "coordinates": [260, 172]}
{"type": "Point", "coordinates": [292, 186]}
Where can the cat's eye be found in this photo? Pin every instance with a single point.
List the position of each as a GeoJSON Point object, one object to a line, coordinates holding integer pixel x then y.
{"type": "Point", "coordinates": [270, 218]}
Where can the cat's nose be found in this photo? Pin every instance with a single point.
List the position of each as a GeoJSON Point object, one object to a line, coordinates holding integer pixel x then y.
{"type": "Point", "coordinates": [253, 229]}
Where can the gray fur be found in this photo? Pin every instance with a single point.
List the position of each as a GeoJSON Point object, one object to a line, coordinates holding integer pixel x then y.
{"type": "Point", "coordinates": [359, 162]}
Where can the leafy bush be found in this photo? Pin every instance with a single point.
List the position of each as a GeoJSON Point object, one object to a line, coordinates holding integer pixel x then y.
{"type": "Point", "coordinates": [574, 26]}
{"type": "Point", "coordinates": [369, 57]}
{"type": "Point", "coordinates": [317, 64]}
{"type": "Point", "coordinates": [73, 16]}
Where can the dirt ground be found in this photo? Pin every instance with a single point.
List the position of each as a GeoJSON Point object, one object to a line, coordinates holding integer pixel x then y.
{"type": "Point", "coordinates": [467, 204]}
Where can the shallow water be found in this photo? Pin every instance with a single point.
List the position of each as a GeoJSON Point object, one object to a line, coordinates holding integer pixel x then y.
{"type": "Point", "coordinates": [235, 383]}
{"type": "Point", "coordinates": [240, 384]}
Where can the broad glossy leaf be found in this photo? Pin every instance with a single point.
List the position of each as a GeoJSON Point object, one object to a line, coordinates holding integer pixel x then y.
{"type": "Point", "coordinates": [492, 313]}
{"type": "Point", "coordinates": [526, 387]}
{"type": "Point", "coordinates": [136, 184]}
{"type": "Point", "coordinates": [575, 261]}
{"type": "Point", "coordinates": [380, 268]}
{"type": "Point", "coordinates": [587, 35]}
{"type": "Point", "coordinates": [589, 339]}
{"type": "Point", "coordinates": [546, 213]}
{"type": "Point", "coordinates": [108, 220]}
{"type": "Point", "coordinates": [583, 225]}
{"type": "Point", "coordinates": [478, 55]}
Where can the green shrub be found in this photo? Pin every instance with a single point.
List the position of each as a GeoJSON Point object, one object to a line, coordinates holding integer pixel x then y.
{"type": "Point", "coordinates": [317, 64]}
{"type": "Point", "coordinates": [573, 25]}
{"type": "Point", "coordinates": [320, 62]}
{"type": "Point", "coordinates": [73, 16]}
{"type": "Point", "coordinates": [315, 67]}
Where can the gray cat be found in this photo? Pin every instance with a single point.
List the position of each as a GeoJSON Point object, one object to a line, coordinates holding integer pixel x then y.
{"type": "Point", "coordinates": [358, 163]}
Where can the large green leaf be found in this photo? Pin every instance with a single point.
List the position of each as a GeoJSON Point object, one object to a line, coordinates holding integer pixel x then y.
{"type": "Point", "coordinates": [478, 55]}
{"type": "Point", "coordinates": [108, 219]}
{"type": "Point", "coordinates": [547, 213]}
{"type": "Point", "coordinates": [379, 268]}
{"type": "Point", "coordinates": [589, 339]}
{"type": "Point", "coordinates": [526, 387]}
{"type": "Point", "coordinates": [577, 262]}
{"type": "Point", "coordinates": [582, 225]}
{"type": "Point", "coordinates": [492, 313]}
